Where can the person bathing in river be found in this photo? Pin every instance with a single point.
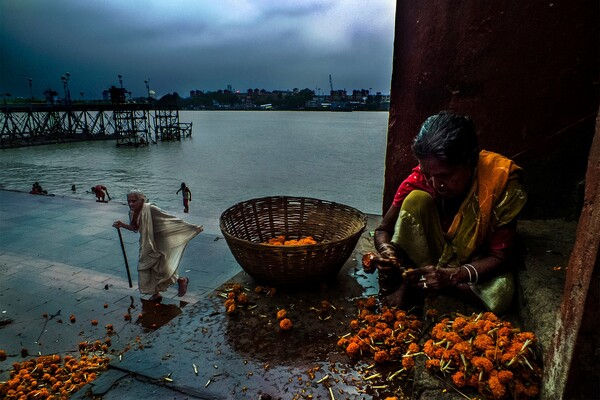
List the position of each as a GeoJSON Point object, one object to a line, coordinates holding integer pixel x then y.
{"type": "Point", "coordinates": [163, 238]}
{"type": "Point", "coordinates": [100, 191]}
{"type": "Point", "coordinates": [452, 224]}
{"type": "Point", "coordinates": [36, 188]}
{"type": "Point", "coordinates": [187, 196]}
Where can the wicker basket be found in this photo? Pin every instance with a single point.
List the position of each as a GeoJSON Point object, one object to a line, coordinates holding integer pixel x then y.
{"type": "Point", "coordinates": [335, 227]}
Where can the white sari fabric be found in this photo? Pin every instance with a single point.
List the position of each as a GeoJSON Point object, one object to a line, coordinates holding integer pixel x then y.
{"type": "Point", "coordinates": [163, 238]}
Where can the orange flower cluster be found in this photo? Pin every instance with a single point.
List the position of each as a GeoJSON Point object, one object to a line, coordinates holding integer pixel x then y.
{"type": "Point", "coordinates": [280, 241]}
{"type": "Point", "coordinates": [485, 353]}
{"type": "Point", "coordinates": [235, 298]}
{"type": "Point", "coordinates": [367, 262]}
{"type": "Point", "coordinates": [51, 376]}
{"type": "Point", "coordinates": [386, 334]}
{"type": "Point", "coordinates": [285, 324]}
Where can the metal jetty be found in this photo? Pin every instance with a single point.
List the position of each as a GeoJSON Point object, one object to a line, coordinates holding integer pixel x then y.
{"type": "Point", "coordinates": [129, 124]}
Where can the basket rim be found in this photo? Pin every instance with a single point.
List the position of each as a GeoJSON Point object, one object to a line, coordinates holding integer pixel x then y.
{"type": "Point", "coordinates": [306, 246]}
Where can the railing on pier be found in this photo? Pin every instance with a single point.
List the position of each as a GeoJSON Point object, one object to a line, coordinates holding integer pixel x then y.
{"type": "Point", "coordinates": [128, 124]}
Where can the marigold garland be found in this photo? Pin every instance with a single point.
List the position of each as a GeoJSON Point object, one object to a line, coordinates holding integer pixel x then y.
{"type": "Point", "coordinates": [485, 353]}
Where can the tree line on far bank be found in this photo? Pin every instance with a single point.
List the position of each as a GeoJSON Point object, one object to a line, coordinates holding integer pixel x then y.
{"type": "Point", "coordinates": [279, 100]}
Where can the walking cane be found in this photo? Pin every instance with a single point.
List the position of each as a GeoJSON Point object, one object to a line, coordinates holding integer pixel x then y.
{"type": "Point", "coordinates": [125, 257]}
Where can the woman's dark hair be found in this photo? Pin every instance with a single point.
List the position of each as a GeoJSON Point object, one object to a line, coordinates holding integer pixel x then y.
{"type": "Point", "coordinates": [447, 137]}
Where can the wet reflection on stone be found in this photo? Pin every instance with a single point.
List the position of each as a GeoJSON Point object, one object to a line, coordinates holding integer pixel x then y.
{"type": "Point", "coordinates": [254, 330]}
{"type": "Point", "coordinates": [155, 314]}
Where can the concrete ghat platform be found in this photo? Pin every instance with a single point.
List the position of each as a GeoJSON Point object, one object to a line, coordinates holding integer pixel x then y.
{"type": "Point", "coordinates": [61, 257]}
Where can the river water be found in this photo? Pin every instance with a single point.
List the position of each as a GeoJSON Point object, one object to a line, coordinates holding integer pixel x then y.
{"type": "Point", "coordinates": [232, 156]}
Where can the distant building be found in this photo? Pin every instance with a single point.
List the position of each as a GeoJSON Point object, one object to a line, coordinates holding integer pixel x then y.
{"type": "Point", "coordinates": [50, 96]}
{"type": "Point", "coordinates": [117, 95]}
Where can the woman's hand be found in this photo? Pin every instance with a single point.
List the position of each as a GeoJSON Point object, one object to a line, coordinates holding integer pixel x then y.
{"type": "Point", "coordinates": [431, 277]}
{"type": "Point", "coordinates": [386, 262]}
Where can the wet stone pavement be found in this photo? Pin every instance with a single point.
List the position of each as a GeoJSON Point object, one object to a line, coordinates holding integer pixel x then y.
{"type": "Point", "coordinates": [63, 270]}
{"type": "Point", "coordinates": [60, 257]}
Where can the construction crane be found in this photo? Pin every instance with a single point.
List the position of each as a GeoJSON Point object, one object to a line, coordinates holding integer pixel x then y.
{"type": "Point", "coordinates": [330, 84]}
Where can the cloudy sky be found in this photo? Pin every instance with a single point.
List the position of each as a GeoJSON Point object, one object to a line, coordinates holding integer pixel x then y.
{"type": "Point", "coordinates": [181, 45]}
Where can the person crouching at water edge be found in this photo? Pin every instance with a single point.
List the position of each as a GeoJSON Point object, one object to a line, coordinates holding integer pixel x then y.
{"type": "Point", "coordinates": [163, 238]}
{"type": "Point", "coordinates": [452, 225]}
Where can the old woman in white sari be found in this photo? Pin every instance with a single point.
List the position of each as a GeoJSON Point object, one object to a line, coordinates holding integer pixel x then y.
{"type": "Point", "coordinates": [163, 238]}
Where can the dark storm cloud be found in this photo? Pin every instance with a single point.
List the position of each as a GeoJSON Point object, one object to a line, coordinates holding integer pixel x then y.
{"type": "Point", "coordinates": [188, 44]}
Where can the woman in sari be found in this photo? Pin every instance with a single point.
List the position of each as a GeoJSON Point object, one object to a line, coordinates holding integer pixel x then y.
{"type": "Point", "coordinates": [163, 238]}
{"type": "Point", "coordinates": [452, 224]}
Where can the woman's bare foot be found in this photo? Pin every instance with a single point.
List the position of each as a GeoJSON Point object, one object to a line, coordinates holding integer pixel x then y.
{"type": "Point", "coordinates": [156, 297]}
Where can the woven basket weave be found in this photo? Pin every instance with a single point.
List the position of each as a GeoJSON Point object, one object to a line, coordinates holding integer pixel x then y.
{"type": "Point", "coordinates": [335, 227]}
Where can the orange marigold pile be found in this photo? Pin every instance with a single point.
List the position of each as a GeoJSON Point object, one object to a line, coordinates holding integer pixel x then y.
{"type": "Point", "coordinates": [281, 241]}
{"type": "Point", "coordinates": [386, 334]}
{"type": "Point", "coordinates": [485, 353]}
{"type": "Point", "coordinates": [51, 376]}
{"type": "Point", "coordinates": [235, 298]}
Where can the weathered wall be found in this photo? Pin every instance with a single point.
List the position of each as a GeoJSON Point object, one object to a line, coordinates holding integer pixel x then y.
{"type": "Point", "coordinates": [571, 368]}
{"type": "Point", "coordinates": [526, 72]}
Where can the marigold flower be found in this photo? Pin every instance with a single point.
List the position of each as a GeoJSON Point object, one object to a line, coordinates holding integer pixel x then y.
{"type": "Point", "coordinates": [94, 322]}
{"type": "Point", "coordinates": [343, 342]}
{"type": "Point", "coordinates": [285, 324]}
{"type": "Point", "coordinates": [2, 355]}
{"type": "Point", "coordinates": [459, 379]}
{"type": "Point", "coordinates": [433, 363]}
{"type": "Point", "coordinates": [371, 303]}
{"type": "Point", "coordinates": [483, 342]}
{"type": "Point", "coordinates": [504, 331]}
{"type": "Point", "coordinates": [387, 316]}
{"type": "Point", "coordinates": [381, 357]}
{"type": "Point", "coordinates": [453, 337]}
{"type": "Point", "coordinates": [242, 298]}
{"type": "Point", "coordinates": [459, 323]}
{"type": "Point", "coordinates": [482, 364]}
{"type": "Point", "coordinates": [428, 348]}
{"type": "Point", "coordinates": [491, 354]}
{"type": "Point", "coordinates": [354, 324]}
{"type": "Point", "coordinates": [408, 362]}
{"type": "Point", "coordinates": [353, 349]}
{"type": "Point", "coordinates": [281, 314]}
{"type": "Point", "coordinates": [464, 348]}
{"type": "Point", "coordinates": [72, 318]}
{"type": "Point", "coordinates": [396, 353]}
{"type": "Point", "coordinates": [498, 390]}
{"type": "Point", "coordinates": [229, 303]}
{"type": "Point", "coordinates": [505, 376]}
{"type": "Point", "coordinates": [413, 348]}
